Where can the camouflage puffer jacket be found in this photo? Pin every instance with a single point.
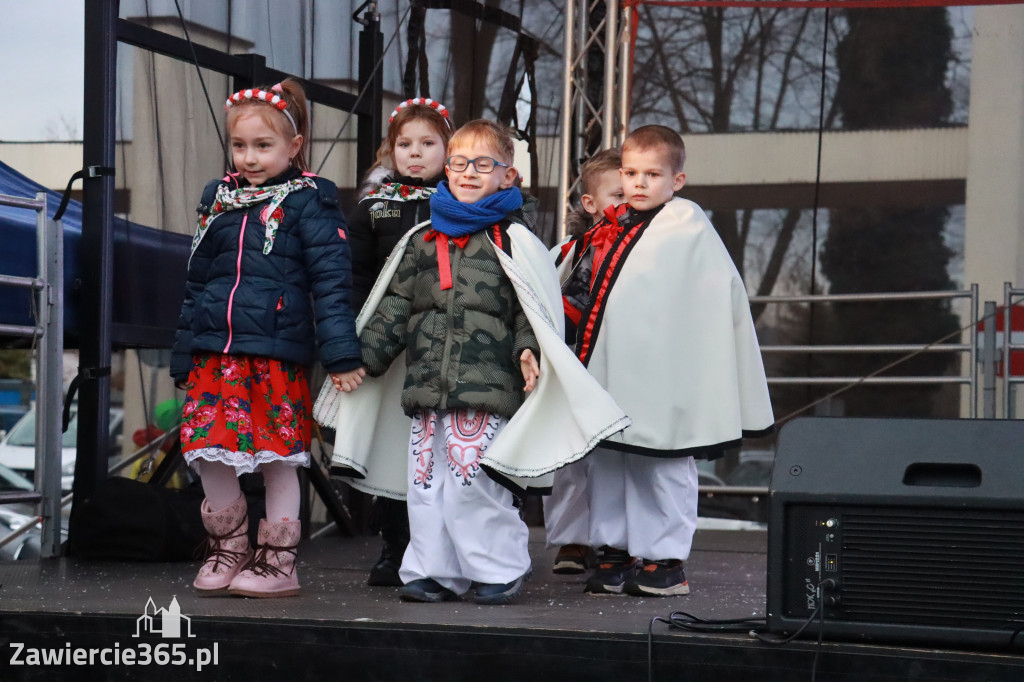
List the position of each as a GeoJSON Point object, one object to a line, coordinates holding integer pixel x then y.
{"type": "Point", "coordinates": [463, 344]}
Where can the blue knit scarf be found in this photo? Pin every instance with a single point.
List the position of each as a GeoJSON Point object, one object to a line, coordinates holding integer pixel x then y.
{"type": "Point", "coordinates": [454, 218]}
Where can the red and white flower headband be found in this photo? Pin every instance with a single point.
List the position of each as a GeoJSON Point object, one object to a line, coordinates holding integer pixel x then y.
{"type": "Point", "coordinates": [424, 102]}
{"type": "Point", "coordinates": [272, 98]}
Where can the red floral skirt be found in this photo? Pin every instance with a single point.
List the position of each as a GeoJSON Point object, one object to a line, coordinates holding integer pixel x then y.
{"type": "Point", "coordinates": [244, 411]}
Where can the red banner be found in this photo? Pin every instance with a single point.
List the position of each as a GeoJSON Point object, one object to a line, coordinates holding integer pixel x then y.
{"type": "Point", "coordinates": [812, 4]}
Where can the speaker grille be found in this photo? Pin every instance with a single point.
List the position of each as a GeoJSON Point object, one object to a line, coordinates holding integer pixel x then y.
{"type": "Point", "coordinates": [933, 567]}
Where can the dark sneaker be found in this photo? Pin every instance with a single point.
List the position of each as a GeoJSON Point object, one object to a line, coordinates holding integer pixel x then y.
{"type": "Point", "coordinates": [571, 560]}
{"type": "Point", "coordinates": [500, 594]}
{"type": "Point", "coordinates": [614, 568]}
{"type": "Point", "coordinates": [426, 590]}
{"type": "Point", "coordinates": [659, 579]}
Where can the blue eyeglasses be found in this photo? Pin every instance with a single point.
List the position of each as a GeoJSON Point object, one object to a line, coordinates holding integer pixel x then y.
{"type": "Point", "coordinates": [483, 164]}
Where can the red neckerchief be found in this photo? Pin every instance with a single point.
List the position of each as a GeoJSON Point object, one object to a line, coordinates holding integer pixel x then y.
{"type": "Point", "coordinates": [444, 265]}
{"type": "Point", "coordinates": [603, 236]}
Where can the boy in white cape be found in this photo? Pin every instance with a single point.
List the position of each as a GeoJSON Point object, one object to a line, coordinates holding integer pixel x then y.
{"type": "Point", "coordinates": [668, 333]}
{"type": "Point", "coordinates": [466, 316]}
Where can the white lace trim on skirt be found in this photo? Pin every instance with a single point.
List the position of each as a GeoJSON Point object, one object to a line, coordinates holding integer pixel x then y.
{"type": "Point", "coordinates": [244, 462]}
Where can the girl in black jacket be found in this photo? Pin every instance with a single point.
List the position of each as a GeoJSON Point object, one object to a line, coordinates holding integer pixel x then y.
{"type": "Point", "coordinates": [270, 271]}
{"type": "Point", "coordinates": [395, 197]}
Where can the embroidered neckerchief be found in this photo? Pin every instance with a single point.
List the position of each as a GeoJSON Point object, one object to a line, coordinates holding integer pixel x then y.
{"type": "Point", "coordinates": [234, 199]}
{"type": "Point", "coordinates": [397, 191]}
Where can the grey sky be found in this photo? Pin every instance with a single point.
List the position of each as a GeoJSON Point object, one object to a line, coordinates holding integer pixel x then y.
{"type": "Point", "coordinates": [41, 49]}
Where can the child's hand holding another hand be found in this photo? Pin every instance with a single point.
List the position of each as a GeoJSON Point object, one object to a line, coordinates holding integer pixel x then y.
{"type": "Point", "coordinates": [348, 381]}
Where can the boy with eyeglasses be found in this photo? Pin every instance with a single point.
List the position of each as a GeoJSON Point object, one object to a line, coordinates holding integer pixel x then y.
{"type": "Point", "coordinates": [497, 400]}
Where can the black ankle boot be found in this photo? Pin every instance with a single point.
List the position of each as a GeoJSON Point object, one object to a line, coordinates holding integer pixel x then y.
{"type": "Point", "coordinates": [394, 529]}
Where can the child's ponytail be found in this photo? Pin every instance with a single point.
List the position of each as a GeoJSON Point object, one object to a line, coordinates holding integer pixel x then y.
{"type": "Point", "coordinates": [292, 92]}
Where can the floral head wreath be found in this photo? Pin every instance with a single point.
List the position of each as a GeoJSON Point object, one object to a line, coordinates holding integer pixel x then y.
{"type": "Point", "coordinates": [424, 102]}
{"type": "Point", "coordinates": [272, 98]}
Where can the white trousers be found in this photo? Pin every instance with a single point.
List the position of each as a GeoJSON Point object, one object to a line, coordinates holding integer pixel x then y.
{"type": "Point", "coordinates": [645, 505]}
{"type": "Point", "coordinates": [463, 525]}
{"type": "Point", "coordinates": [567, 508]}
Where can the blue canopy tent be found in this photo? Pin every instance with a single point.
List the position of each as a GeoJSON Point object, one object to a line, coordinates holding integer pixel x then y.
{"type": "Point", "coordinates": [149, 270]}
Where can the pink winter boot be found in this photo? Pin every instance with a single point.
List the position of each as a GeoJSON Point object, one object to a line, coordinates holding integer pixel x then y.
{"type": "Point", "coordinates": [271, 572]}
{"type": "Point", "coordinates": [226, 550]}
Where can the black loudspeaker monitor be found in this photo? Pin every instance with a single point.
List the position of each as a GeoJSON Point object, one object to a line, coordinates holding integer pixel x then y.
{"type": "Point", "coordinates": [902, 530]}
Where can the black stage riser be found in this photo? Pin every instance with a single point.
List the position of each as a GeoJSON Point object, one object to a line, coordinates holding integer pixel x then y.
{"type": "Point", "coordinates": [258, 649]}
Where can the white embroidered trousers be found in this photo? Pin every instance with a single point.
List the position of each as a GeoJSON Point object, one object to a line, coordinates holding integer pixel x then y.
{"type": "Point", "coordinates": [567, 508]}
{"type": "Point", "coordinates": [645, 505]}
{"type": "Point", "coordinates": [463, 525]}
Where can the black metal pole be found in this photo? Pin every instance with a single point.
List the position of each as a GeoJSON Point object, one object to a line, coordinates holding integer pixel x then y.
{"type": "Point", "coordinates": [97, 247]}
{"type": "Point", "coordinates": [371, 77]}
{"type": "Point", "coordinates": [257, 64]}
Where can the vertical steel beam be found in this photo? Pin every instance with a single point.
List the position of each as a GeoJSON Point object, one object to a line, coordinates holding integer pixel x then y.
{"type": "Point", "coordinates": [97, 247]}
{"type": "Point", "coordinates": [371, 78]}
{"type": "Point", "coordinates": [257, 66]}
{"type": "Point", "coordinates": [973, 412]}
{"type": "Point", "coordinates": [988, 361]}
{"type": "Point", "coordinates": [566, 138]}
{"type": "Point", "coordinates": [584, 41]}
{"type": "Point", "coordinates": [50, 378]}
{"type": "Point", "coordinates": [608, 132]}
{"type": "Point", "coordinates": [1006, 353]}
{"type": "Point", "coordinates": [625, 75]}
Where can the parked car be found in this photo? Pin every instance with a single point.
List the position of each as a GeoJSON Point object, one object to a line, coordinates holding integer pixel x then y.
{"type": "Point", "coordinates": [18, 447]}
{"type": "Point", "coordinates": [9, 416]}
{"type": "Point", "coordinates": [15, 515]}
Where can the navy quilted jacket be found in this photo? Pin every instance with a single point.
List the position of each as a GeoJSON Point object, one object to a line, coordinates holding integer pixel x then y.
{"type": "Point", "coordinates": [281, 305]}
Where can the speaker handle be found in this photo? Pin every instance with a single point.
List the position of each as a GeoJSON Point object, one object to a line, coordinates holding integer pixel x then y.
{"type": "Point", "coordinates": [942, 474]}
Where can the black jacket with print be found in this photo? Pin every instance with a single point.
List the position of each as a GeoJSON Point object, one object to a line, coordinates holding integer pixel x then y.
{"type": "Point", "coordinates": [379, 221]}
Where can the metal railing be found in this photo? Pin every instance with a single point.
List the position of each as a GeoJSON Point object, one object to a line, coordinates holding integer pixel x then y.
{"type": "Point", "coordinates": [970, 348]}
{"type": "Point", "coordinates": [48, 336]}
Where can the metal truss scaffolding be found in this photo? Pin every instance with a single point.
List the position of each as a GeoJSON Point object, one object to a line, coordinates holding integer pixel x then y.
{"type": "Point", "coordinates": [596, 84]}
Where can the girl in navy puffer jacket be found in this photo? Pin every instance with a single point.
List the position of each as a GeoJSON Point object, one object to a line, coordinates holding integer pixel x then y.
{"type": "Point", "coordinates": [269, 280]}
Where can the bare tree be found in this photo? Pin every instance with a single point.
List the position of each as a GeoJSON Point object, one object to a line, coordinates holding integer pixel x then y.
{"type": "Point", "coordinates": [717, 70]}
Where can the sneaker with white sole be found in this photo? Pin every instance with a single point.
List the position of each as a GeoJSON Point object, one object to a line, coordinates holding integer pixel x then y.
{"type": "Point", "coordinates": [495, 594]}
{"type": "Point", "coordinates": [659, 579]}
{"type": "Point", "coordinates": [572, 560]}
{"type": "Point", "coordinates": [614, 569]}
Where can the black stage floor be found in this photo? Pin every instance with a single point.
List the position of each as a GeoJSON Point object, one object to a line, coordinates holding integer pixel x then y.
{"type": "Point", "coordinates": [340, 629]}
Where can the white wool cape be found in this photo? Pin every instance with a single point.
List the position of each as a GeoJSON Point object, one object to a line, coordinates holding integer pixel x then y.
{"type": "Point", "coordinates": [562, 419]}
{"type": "Point", "coordinates": [676, 347]}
